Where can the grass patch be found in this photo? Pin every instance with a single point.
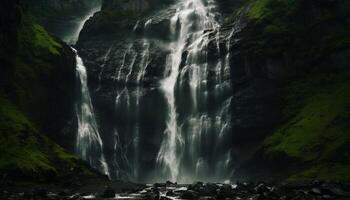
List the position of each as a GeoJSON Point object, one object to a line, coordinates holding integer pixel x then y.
{"type": "Point", "coordinates": [44, 41]}
{"type": "Point", "coordinates": [35, 41]}
{"type": "Point", "coordinates": [318, 111]}
{"type": "Point", "coordinates": [63, 155]}
{"type": "Point", "coordinates": [20, 148]}
{"type": "Point", "coordinates": [27, 152]}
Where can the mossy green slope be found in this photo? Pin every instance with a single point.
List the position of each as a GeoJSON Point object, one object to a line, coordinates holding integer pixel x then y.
{"type": "Point", "coordinates": [26, 152]}
{"type": "Point", "coordinates": [32, 65]}
{"type": "Point", "coordinates": [20, 148]}
{"type": "Point", "coordinates": [315, 131]}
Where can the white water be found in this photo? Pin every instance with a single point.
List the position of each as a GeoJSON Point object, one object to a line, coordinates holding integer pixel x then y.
{"type": "Point", "coordinates": [194, 18]}
{"type": "Point", "coordinates": [181, 156]}
{"type": "Point", "coordinates": [89, 145]}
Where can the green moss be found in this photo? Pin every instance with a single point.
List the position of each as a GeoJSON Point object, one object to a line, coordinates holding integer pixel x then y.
{"type": "Point", "coordinates": [26, 151]}
{"type": "Point", "coordinates": [44, 41]}
{"type": "Point", "coordinates": [72, 160]}
{"type": "Point", "coordinates": [35, 41]}
{"type": "Point", "coordinates": [37, 51]}
{"type": "Point", "coordinates": [63, 155]}
{"type": "Point", "coordinates": [328, 172]}
{"type": "Point", "coordinates": [20, 148]}
{"type": "Point", "coordinates": [316, 117]}
{"type": "Point", "coordinates": [261, 9]}
{"type": "Point", "coordinates": [258, 9]}
{"type": "Point", "coordinates": [319, 122]}
{"type": "Point", "coordinates": [316, 130]}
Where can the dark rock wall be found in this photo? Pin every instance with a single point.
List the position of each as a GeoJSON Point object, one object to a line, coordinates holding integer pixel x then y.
{"type": "Point", "coordinates": [37, 109]}
{"type": "Point", "coordinates": [133, 5]}
{"type": "Point", "coordinates": [275, 56]}
{"type": "Point", "coordinates": [10, 20]}
{"type": "Point", "coordinates": [274, 46]}
{"type": "Point", "coordinates": [62, 18]}
{"type": "Point", "coordinates": [44, 8]}
{"type": "Point", "coordinates": [109, 44]}
{"type": "Point", "coordinates": [48, 95]}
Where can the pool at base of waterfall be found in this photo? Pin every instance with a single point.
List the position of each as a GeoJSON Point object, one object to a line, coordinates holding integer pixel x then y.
{"type": "Point", "coordinates": [173, 191]}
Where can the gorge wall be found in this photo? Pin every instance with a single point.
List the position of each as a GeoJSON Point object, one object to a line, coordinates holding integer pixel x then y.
{"type": "Point", "coordinates": [62, 17]}
{"type": "Point", "coordinates": [187, 90]}
{"type": "Point", "coordinates": [37, 104]}
{"type": "Point", "coordinates": [135, 5]}
{"type": "Point", "coordinates": [277, 55]}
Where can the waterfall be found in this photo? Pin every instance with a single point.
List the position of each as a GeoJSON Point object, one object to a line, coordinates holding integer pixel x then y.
{"type": "Point", "coordinates": [170, 151]}
{"type": "Point", "coordinates": [89, 145]}
{"type": "Point", "coordinates": [181, 155]}
{"type": "Point", "coordinates": [168, 121]}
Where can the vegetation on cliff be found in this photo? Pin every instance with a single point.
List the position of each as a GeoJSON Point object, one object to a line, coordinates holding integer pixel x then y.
{"type": "Point", "coordinates": [27, 105]}
{"type": "Point", "coordinates": [316, 130]}
{"type": "Point", "coordinates": [311, 38]}
{"type": "Point", "coordinates": [309, 41]}
{"type": "Point", "coordinates": [26, 153]}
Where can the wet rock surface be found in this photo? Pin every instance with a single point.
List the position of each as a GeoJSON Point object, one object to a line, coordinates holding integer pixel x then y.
{"type": "Point", "coordinates": [209, 191]}
{"type": "Point", "coordinates": [126, 55]}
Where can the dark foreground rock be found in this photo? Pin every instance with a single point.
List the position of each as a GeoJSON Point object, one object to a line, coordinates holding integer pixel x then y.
{"type": "Point", "coordinates": [246, 190]}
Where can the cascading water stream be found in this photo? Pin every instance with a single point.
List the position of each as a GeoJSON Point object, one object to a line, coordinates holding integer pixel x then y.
{"type": "Point", "coordinates": [168, 154]}
{"type": "Point", "coordinates": [186, 137]}
{"type": "Point", "coordinates": [89, 144]}
{"type": "Point", "coordinates": [190, 27]}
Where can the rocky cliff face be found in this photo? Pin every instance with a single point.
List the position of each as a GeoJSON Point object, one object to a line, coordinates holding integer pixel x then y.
{"type": "Point", "coordinates": [133, 5]}
{"type": "Point", "coordinates": [292, 53]}
{"type": "Point", "coordinates": [283, 55]}
{"type": "Point", "coordinates": [60, 7]}
{"type": "Point", "coordinates": [37, 96]}
{"type": "Point", "coordinates": [62, 18]}
{"type": "Point", "coordinates": [115, 44]}
{"type": "Point", "coordinates": [109, 47]}
{"type": "Point", "coordinates": [10, 20]}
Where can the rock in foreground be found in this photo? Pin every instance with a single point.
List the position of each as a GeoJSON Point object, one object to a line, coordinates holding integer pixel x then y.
{"type": "Point", "coordinates": [212, 191]}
